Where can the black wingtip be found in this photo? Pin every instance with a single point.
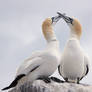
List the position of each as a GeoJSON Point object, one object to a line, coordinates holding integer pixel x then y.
{"type": "Point", "coordinates": [5, 88]}
{"type": "Point", "coordinates": [14, 83]}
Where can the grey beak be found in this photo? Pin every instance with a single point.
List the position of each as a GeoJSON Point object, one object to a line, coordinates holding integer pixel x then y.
{"type": "Point", "coordinates": [66, 18]}
{"type": "Point", "coordinates": [56, 19]}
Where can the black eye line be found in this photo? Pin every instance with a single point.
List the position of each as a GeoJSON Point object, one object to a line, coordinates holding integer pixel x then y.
{"type": "Point", "coordinates": [71, 20]}
{"type": "Point", "coordinates": [52, 19]}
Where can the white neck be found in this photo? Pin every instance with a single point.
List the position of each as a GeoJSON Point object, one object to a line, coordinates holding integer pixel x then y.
{"type": "Point", "coordinates": [49, 33]}
{"type": "Point", "coordinates": [54, 44]}
{"type": "Point", "coordinates": [73, 35]}
{"type": "Point", "coordinates": [51, 37]}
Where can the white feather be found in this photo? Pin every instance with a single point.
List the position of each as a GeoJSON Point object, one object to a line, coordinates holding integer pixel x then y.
{"type": "Point", "coordinates": [73, 61]}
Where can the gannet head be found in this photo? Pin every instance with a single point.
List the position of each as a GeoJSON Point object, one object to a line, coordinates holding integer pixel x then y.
{"type": "Point", "coordinates": [47, 22]}
{"type": "Point", "coordinates": [47, 27]}
{"type": "Point", "coordinates": [74, 24]}
{"type": "Point", "coordinates": [51, 21]}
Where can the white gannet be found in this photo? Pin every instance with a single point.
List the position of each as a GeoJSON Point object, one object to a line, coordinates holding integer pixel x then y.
{"type": "Point", "coordinates": [41, 64]}
{"type": "Point", "coordinates": [74, 61]}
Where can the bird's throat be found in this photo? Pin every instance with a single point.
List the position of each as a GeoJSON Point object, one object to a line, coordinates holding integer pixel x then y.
{"type": "Point", "coordinates": [49, 34]}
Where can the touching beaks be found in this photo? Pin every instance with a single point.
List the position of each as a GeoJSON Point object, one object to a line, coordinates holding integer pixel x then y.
{"type": "Point", "coordinates": [56, 19]}
{"type": "Point", "coordinates": [66, 18]}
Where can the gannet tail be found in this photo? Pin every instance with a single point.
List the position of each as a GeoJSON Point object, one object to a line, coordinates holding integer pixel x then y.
{"type": "Point", "coordinates": [14, 83]}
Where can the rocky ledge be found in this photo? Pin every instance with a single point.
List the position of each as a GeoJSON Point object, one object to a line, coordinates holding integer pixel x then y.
{"type": "Point", "coordinates": [41, 86]}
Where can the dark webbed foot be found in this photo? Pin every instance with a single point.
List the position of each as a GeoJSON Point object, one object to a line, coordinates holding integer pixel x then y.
{"type": "Point", "coordinates": [45, 79]}
{"type": "Point", "coordinates": [57, 80]}
{"type": "Point", "coordinates": [66, 79]}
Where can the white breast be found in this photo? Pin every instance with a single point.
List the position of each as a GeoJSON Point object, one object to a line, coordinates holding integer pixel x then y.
{"type": "Point", "coordinates": [72, 60]}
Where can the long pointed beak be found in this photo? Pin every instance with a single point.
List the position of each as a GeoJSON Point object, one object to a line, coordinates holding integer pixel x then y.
{"type": "Point", "coordinates": [56, 19]}
{"type": "Point", "coordinates": [66, 18]}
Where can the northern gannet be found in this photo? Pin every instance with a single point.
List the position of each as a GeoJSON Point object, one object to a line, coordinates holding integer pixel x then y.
{"type": "Point", "coordinates": [74, 61]}
{"type": "Point", "coordinates": [41, 64]}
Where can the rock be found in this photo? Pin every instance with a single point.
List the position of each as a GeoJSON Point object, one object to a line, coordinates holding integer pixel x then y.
{"type": "Point", "coordinates": [41, 86]}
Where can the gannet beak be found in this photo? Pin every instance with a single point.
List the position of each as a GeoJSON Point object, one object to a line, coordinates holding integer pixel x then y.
{"type": "Point", "coordinates": [55, 19]}
{"type": "Point", "coordinates": [66, 18]}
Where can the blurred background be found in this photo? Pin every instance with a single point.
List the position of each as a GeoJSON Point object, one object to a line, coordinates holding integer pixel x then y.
{"type": "Point", "coordinates": [20, 31]}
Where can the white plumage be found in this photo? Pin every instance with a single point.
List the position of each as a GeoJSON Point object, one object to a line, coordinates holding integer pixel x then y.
{"type": "Point", "coordinates": [74, 62]}
{"type": "Point", "coordinates": [46, 62]}
{"type": "Point", "coordinates": [42, 63]}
